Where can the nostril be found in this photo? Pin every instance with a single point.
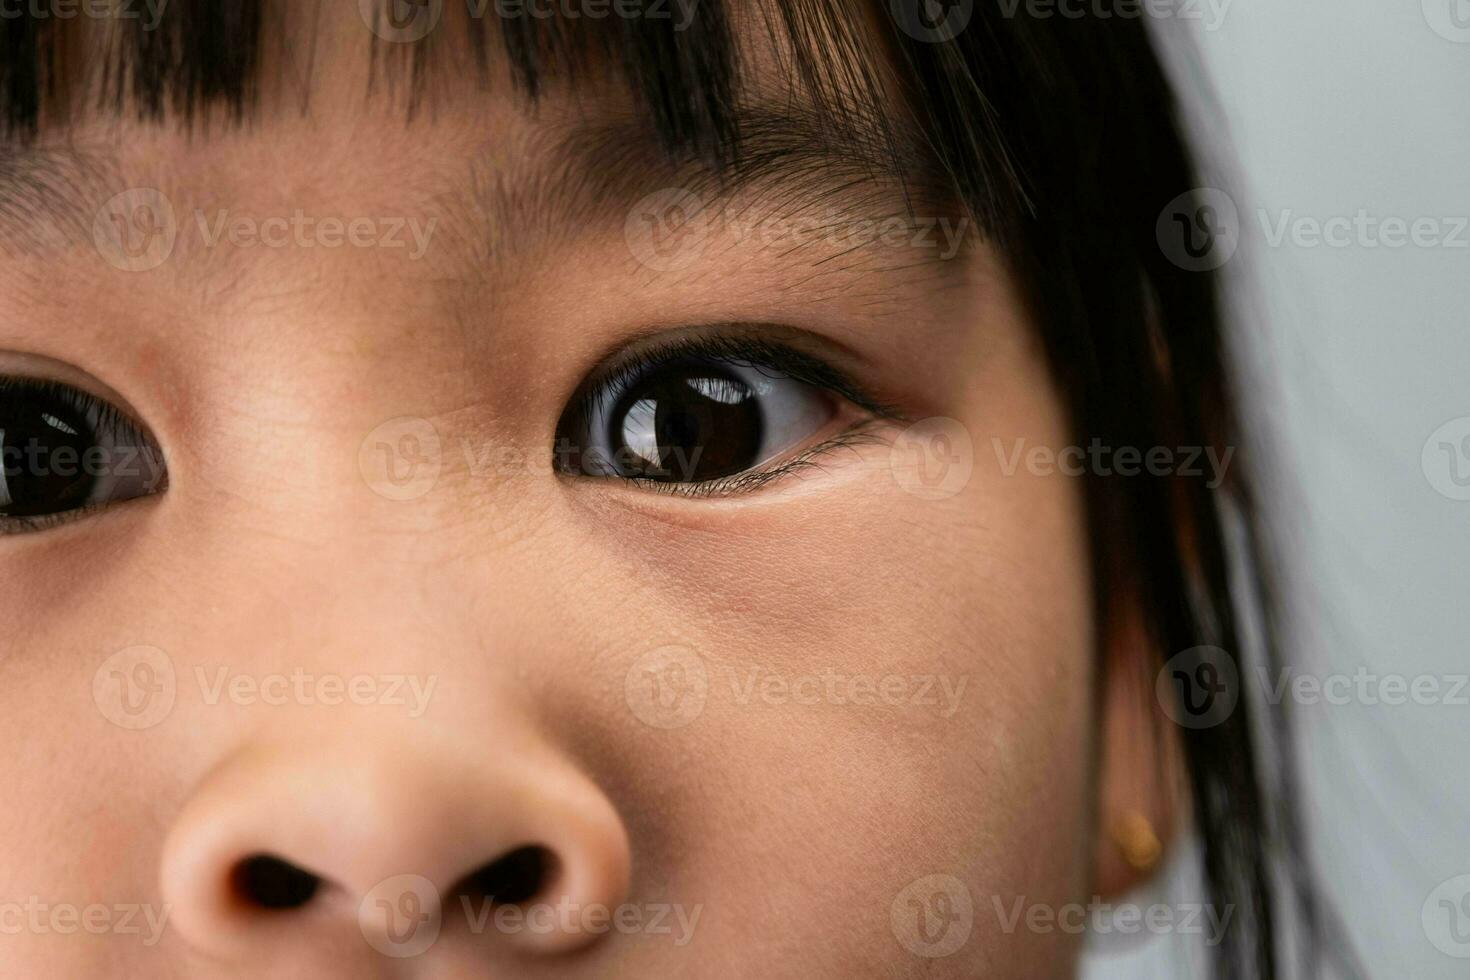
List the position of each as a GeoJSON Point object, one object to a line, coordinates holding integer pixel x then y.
{"type": "Point", "coordinates": [273, 883]}
{"type": "Point", "coordinates": [514, 878]}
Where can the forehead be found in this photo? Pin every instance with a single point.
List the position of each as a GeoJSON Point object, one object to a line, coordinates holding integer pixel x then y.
{"type": "Point", "coordinates": [476, 111]}
{"type": "Point", "coordinates": [689, 68]}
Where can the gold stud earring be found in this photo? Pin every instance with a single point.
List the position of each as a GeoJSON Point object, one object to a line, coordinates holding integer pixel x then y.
{"type": "Point", "coordinates": [1136, 840]}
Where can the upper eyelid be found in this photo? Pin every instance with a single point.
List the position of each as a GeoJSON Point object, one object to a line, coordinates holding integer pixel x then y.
{"type": "Point", "coordinates": [24, 366]}
{"type": "Point", "coordinates": [111, 416]}
{"type": "Point", "coordinates": [858, 434]}
{"type": "Point", "coordinates": [750, 345]}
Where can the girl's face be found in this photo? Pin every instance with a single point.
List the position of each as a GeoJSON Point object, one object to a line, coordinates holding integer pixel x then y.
{"type": "Point", "coordinates": [813, 697]}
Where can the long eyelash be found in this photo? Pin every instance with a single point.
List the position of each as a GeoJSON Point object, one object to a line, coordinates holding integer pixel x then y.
{"type": "Point", "coordinates": [104, 418]}
{"type": "Point", "coordinates": [756, 353]}
{"type": "Point", "coordinates": [776, 359]}
{"type": "Point", "coordinates": [856, 436]}
{"type": "Point", "coordinates": [25, 524]}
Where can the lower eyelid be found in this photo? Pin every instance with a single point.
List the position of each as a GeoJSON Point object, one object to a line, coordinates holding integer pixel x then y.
{"type": "Point", "coordinates": [862, 433]}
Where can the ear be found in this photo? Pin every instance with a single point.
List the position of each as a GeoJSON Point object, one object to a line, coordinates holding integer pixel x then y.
{"type": "Point", "coordinates": [1141, 776]}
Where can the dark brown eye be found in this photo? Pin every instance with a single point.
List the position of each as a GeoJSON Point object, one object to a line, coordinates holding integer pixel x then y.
{"type": "Point", "coordinates": [690, 420]}
{"type": "Point", "coordinates": [62, 450]}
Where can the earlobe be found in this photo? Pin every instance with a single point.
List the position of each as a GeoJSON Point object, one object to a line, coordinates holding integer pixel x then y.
{"type": "Point", "coordinates": [1139, 766]}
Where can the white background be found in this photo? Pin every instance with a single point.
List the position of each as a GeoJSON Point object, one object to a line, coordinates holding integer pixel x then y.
{"type": "Point", "coordinates": [1326, 107]}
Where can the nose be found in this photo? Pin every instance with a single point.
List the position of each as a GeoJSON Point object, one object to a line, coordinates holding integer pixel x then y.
{"type": "Point", "coordinates": [303, 852]}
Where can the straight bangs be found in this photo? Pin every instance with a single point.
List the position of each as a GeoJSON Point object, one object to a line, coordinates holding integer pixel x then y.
{"type": "Point", "coordinates": [678, 59]}
{"type": "Point", "coordinates": [1060, 139]}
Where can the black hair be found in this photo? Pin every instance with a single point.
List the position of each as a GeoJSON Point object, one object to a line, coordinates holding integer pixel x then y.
{"type": "Point", "coordinates": [1061, 138]}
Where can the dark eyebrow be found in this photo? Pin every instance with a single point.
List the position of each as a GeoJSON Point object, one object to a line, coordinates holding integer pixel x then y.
{"type": "Point", "coordinates": [792, 160]}
{"type": "Point", "coordinates": [49, 196]}
{"type": "Point", "coordinates": [795, 157]}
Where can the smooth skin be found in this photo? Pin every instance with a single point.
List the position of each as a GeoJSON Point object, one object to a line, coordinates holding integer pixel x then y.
{"type": "Point", "coordinates": [787, 815]}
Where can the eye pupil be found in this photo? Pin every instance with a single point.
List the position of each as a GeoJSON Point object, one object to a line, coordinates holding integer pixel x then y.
{"type": "Point", "coordinates": [43, 446]}
{"type": "Point", "coordinates": [687, 423]}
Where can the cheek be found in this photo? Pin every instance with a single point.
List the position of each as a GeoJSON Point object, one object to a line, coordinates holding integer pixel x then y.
{"type": "Point", "coordinates": [890, 688]}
